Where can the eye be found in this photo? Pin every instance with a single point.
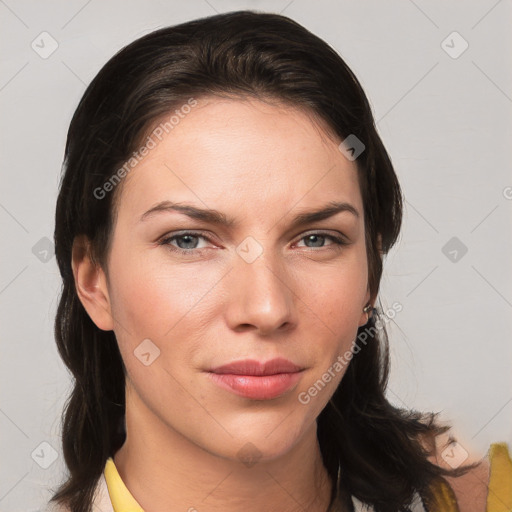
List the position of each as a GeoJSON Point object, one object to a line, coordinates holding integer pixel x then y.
{"type": "Point", "coordinates": [187, 242]}
{"type": "Point", "coordinates": [319, 237]}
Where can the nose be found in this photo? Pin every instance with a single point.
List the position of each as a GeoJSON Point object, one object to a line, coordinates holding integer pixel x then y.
{"type": "Point", "coordinates": [260, 296]}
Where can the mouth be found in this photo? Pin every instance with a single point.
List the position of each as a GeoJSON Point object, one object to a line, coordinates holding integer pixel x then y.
{"type": "Point", "coordinates": [257, 380]}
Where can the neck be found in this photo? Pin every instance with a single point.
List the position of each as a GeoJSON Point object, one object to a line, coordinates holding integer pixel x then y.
{"type": "Point", "coordinates": [164, 470]}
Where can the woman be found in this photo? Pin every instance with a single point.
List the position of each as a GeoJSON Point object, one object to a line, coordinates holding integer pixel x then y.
{"type": "Point", "coordinates": [220, 228]}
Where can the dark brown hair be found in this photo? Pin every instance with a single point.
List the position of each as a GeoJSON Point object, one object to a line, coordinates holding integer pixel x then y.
{"type": "Point", "coordinates": [381, 450]}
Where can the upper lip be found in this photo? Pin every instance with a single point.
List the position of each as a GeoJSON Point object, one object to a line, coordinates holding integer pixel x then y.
{"type": "Point", "coordinates": [254, 367]}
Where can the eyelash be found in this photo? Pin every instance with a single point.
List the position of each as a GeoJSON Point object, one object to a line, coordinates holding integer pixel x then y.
{"type": "Point", "coordinates": [338, 241]}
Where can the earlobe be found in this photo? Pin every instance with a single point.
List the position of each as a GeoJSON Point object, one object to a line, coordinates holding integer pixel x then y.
{"type": "Point", "coordinates": [91, 284]}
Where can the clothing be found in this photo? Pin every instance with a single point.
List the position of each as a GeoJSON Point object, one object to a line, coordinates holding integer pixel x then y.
{"type": "Point", "coordinates": [113, 496]}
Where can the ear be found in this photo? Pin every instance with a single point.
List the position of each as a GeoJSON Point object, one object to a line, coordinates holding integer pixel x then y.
{"type": "Point", "coordinates": [91, 284]}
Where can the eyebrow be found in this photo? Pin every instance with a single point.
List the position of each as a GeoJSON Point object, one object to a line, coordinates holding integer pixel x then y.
{"type": "Point", "coordinates": [215, 217]}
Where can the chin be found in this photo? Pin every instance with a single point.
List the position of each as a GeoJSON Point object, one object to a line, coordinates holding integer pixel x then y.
{"type": "Point", "coordinates": [262, 441]}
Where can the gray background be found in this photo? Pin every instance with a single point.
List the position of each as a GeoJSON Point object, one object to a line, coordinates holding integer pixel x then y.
{"type": "Point", "coordinates": [445, 119]}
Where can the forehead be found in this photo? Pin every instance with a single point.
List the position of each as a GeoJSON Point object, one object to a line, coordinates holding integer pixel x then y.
{"type": "Point", "coordinates": [240, 153]}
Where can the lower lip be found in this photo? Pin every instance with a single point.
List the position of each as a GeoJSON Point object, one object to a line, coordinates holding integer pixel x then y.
{"type": "Point", "coordinates": [263, 387]}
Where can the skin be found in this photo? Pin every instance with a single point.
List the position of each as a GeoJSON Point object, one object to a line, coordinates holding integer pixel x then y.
{"type": "Point", "coordinates": [301, 299]}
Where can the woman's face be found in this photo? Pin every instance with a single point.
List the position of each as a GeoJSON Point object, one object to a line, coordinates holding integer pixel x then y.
{"type": "Point", "coordinates": [258, 286]}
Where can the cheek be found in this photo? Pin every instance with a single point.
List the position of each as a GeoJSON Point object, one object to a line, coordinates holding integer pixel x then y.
{"type": "Point", "coordinates": [139, 298]}
{"type": "Point", "coordinates": [336, 294]}
{"type": "Point", "coordinates": [168, 304]}
{"type": "Point", "coordinates": [150, 296]}
{"type": "Point", "coordinates": [335, 300]}
{"type": "Point", "coordinates": [153, 305]}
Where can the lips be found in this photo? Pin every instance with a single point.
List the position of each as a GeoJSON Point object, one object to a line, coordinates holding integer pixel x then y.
{"type": "Point", "coordinates": [257, 380]}
{"type": "Point", "coordinates": [253, 367]}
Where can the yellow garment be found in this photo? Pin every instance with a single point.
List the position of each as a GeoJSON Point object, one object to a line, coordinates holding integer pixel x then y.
{"type": "Point", "coordinates": [499, 497]}
{"type": "Point", "coordinates": [444, 497]}
{"type": "Point", "coordinates": [120, 496]}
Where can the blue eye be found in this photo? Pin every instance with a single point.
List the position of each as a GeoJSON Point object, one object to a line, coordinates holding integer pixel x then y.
{"type": "Point", "coordinates": [188, 237]}
{"type": "Point", "coordinates": [323, 236]}
{"type": "Point", "coordinates": [188, 242]}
